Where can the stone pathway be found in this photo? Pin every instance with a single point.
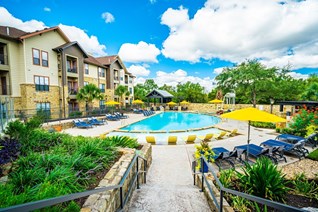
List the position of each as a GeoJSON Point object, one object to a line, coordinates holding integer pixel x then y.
{"type": "Point", "coordinates": [169, 184]}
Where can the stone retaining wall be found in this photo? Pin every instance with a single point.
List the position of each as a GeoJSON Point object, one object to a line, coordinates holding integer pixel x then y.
{"type": "Point", "coordinates": [226, 206]}
{"type": "Point", "coordinates": [110, 200]}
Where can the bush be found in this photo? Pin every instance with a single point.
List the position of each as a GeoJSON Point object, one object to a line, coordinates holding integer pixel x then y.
{"type": "Point", "coordinates": [304, 187]}
{"type": "Point", "coordinates": [122, 141]}
{"type": "Point", "coordinates": [263, 179]}
{"type": "Point", "coordinates": [75, 114]}
{"type": "Point", "coordinates": [302, 120]}
{"type": "Point", "coordinates": [9, 150]}
{"type": "Point", "coordinates": [263, 124]}
{"type": "Point", "coordinates": [313, 155]}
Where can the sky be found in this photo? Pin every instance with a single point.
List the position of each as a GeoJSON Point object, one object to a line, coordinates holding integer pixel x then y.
{"type": "Point", "coordinates": [175, 41]}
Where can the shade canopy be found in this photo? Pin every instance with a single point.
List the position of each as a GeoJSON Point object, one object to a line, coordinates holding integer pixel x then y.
{"type": "Point", "coordinates": [112, 103]}
{"type": "Point", "coordinates": [137, 101]}
{"type": "Point", "coordinates": [171, 103]}
{"type": "Point", "coordinates": [184, 102]}
{"type": "Point", "coordinates": [252, 114]}
{"type": "Point", "coordinates": [215, 101]}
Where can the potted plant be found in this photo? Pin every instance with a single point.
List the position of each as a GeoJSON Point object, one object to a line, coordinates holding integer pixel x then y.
{"type": "Point", "coordinates": [204, 150]}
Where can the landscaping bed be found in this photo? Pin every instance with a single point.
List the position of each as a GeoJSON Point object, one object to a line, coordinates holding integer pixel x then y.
{"type": "Point", "coordinates": [37, 164]}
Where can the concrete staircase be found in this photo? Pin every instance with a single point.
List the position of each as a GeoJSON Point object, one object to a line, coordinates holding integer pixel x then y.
{"type": "Point", "coordinates": [169, 184]}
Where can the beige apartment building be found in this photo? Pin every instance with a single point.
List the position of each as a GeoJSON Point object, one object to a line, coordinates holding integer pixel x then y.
{"type": "Point", "coordinates": [44, 70]}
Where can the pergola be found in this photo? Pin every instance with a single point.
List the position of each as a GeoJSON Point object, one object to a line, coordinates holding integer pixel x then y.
{"type": "Point", "coordinates": [297, 105]}
{"type": "Point", "coordinates": [163, 95]}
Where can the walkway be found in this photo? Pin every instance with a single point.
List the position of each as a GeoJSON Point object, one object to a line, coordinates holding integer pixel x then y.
{"type": "Point", "coordinates": [169, 184]}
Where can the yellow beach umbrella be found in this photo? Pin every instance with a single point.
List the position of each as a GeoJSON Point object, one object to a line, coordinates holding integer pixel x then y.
{"type": "Point", "coordinates": [252, 114]}
{"type": "Point", "coordinates": [137, 101]}
{"type": "Point", "coordinates": [184, 102]}
{"type": "Point", "coordinates": [216, 101]}
{"type": "Point", "coordinates": [112, 103]}
{"type": "Point", "coordinates": [171, 103]}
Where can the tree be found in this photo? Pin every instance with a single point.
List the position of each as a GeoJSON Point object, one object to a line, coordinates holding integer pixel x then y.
{"type": "Point", "coordinates": [121, 91]}
{"type": "Point", "coordinates": [192, 92]}
{"type": "Point", "coordinates": [252, 79]}
{"type": "Point", "coordinates": [88, 93]}
{"type": "Point", "coordinates": [311, 88]}
{"type": "Point", "coordinates": [140, 92]}
{"type": "Point", "coordinates": [149, 85]}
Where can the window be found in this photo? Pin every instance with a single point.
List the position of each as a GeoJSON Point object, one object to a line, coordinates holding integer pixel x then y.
{"type": "Point", "coordinates": [86, 83]}
{"type": "Point", "coordinates": [36, 56]}
{"type": "Point", "coordinates": [45, 60]}
{"type": "Point", "coordinates": [86, 68]}
{"type": "Point", "coordinates": [102, 104]}
{"type": "Point", "coordinates": [101, 72]}
{"type": "Point", "coordinates": [130, 90]}
{"type": "Point", "coordinates": [41, 83]}
{"type": "Point", "coordinates": [43, 108]}
{"type": "Point", "coordinates": [102, 87]}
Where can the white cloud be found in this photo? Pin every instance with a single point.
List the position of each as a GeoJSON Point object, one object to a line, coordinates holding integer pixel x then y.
{"type": "Point", "coordinates": [6, 19]}
{"type": "Point", "coordinates": [238, 30]}
{"type": "Point", "coordinates": [218, 70]}
{"type": "Point", "coordinates": [47, 9]}
{"type": "Point", "coordinates": [181, 76]}
{"type": "Point", "coordinates": [138, 53]}
{"type": "Point", "coordinates": [298, 75]}
{"type": "Point", "coordinates": [89, 43]}
{"type": "Point", "coordinates": [138, 70]}
{"type": "Point", "coordinates": [108, 17]}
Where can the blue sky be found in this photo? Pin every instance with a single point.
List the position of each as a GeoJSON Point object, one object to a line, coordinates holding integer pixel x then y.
{"type": "Point", "coordinates": [177, 41]}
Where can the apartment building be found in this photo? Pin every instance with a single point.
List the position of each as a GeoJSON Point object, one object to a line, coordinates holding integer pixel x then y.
{"type": "Point", "coordinates": [117, 74]}
{"type": "Point", "coordinates": [44, 70]}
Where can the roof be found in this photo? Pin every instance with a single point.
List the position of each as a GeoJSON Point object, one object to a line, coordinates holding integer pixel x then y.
{"type": "Point", "coordinates": [13, 32]}
{"type": "Point", "coordinates": [69, 44]}
{"type": "Point", "coordinates": [162, 93]}
{"type": "Point", "coordinates": [297, 102]}
{"type": "Point", "coordinates": [107, 60]}
{"type": "Point", "coordinates": [38, 32]}
{"type": "Point", "coordinates": [92, 60]}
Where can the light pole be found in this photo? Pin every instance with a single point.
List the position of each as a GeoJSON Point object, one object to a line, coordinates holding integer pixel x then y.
{"type": "Point", "coordinates": [272, 101]}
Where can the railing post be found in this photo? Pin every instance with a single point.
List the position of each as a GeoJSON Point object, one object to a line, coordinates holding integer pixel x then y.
{"type": "Point", "coordinates": [145, 169]}
{"type": "Point", "coordinates": [202, 173]}
{"type": "Point", "coordinates": [137, 171]}
{"type": "Point", "coordinates": [121, 198]}
{"type": "Point", "coordinates": [194, 175]}
{"type": "Point", "coordinates": [221, 200]}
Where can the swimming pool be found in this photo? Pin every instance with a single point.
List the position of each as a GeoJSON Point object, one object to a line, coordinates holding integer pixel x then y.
{"type": "Point", "coordinates": [168, 121]}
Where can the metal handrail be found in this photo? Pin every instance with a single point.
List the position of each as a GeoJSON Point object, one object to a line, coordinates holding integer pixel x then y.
{"type": "Point", "coordinates": [273, 204]}
{"type": "Point", "coordinates": [56, 200]}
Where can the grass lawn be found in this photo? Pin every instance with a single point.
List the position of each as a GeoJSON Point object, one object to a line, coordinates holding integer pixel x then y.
{"type": "Point", "coordinates": [313, 155]}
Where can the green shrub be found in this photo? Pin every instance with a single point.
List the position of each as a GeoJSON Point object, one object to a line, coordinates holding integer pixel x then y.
{"type": "Point", "coordinates": [313, 155]}
{"type": "Point", "coordinates": [304, 187]}
{"type": "Point", "coordinates": [122, 141]}
{"type": "Point", "coordinates": [302, 120]}
{"type": "Point", "coordinates": [263, 179]}
{"type": "Point", "coordinates": [75, 114]}
{"type": "Point", "coordinates": [228, 178]}
{"type": "Point", "coordinates": [263, 124]}
{"type": "Point", "coordinates": [15, 129]}
{"type": "Point", "coordinates": [241, 204]}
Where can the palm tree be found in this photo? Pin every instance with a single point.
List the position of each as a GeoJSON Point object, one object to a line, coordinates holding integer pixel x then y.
{"type": "Point", "coordinates": [88, 93]}
{"type": "Point", "coordinates": [121, 90]}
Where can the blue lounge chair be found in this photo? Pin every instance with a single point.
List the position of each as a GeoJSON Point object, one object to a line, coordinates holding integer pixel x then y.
{"type": "Point", "coordinates": [81, 124]}
{"type": "Point", "coordinates": [222, 154]}
{"type": "Point", "coordinates": [296, 149]}
{"type": "Point", "coordinates": [311, 140]}
{"type": "Point", "coordinates": [94, 121]}
{"type": "Point", "coordinates": [121, 116]}
{"type": "Point", "coordinates": [257, 151]}
{"type": "Point", "coordinates": [111, 117]}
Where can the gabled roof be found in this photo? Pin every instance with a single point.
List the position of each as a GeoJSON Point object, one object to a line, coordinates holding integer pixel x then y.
{"type": "Point", "coordinates": [11, 32]}
{"type": "Point", "coordinates": [92, 60]}
{"type": "Point", "coordinates": [38, 32]}
{"type": "Point", "coordinates": [69, 44]}
{"type": "Point", "coordinates": [107, 60]}
{"type": "Point", "coordinates": [162, 93]}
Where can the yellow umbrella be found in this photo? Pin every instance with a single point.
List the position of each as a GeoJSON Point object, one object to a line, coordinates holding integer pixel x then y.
{"type": "Point", "coordinates": [252, 114]}
{"type": "Point", "coordinates": [171, 103]}
{"type": "Point", "coordinates": [215, 101]}
{"type": "Point", "coordinates": [184, 102]}
{"type": "Point", "coordinates": [137, 101]}
{"type": "Point", "coordinates": [112, 103]}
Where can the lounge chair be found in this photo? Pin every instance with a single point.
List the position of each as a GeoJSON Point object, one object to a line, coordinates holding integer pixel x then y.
{"type": "Point", "coordinates": [232, 133]}
{"type": "Point", "coordinates": [257, 151]}
{"type": "Point", "coordinates": [221, 135]}
{"type": "Point", "coordinates": [296, 149]}
{"type": "Point", "coordinates": [190, 139]}
{"type": "Point", "coordinates": [207, 137]}
{"type": "Point", "coordinates": [81, 124]}
{"type": "Point", "coordinates": [221, 155]}
{"type": "Point", "coordinates": [94, 121]}
{"type": "Point", "coordinates": [172, 140]}
{"type": "Point", "coordinates": [111, 117]}
{"type": "Point", "coordinates": [311, 140]}
{"type": "Point", "coordinates": [151, 139]}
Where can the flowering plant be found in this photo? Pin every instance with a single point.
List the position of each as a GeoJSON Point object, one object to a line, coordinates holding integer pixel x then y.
{"type": "Point", "coordinates": [203, 150]}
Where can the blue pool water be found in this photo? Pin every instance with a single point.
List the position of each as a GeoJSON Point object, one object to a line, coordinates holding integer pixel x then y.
{"type": "Point", "coordinates": [174, 121]}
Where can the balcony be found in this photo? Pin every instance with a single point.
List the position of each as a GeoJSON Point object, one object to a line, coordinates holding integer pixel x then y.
{"type": "Point", "coordinates": [102, 90]}
{"type": "Point", "coordinates": [72, 70]}
{"type": "Point", "coordinates": [4, 59]}
{"type": "Point", "coordinates": [126, 81]}
{"type": "Point", "coordinates": [116, 78]}
{"type": "Point", "coordinates": [42, 87]}
{"type": "Point", "coordinates": [72, 93]}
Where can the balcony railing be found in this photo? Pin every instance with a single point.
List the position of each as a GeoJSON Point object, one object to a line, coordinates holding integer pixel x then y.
{"type": "Point", "coordinates": [3, 59]}
{"type": "Point", "coordinates": [72, 91]}
{"type": "Point", "coordinates": [115, 78]}
{"type": "Point", "coordinates": [130, 81]}
{"type": "Point", "coordinates": [102, 90]}
{"type": "Point", "coordinates": [42, 87]}
{"type": "Point", "coordinates": [72, 70]}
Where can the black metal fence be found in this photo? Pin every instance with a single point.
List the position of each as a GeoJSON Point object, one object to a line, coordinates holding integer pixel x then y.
{"type": "Point", "coordinates": [222, 189]}
{"type": "Point", "coordinates": [123, 196]}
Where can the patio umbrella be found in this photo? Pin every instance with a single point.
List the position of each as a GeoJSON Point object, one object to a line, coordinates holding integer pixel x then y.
{"type": "Point", "coordinates": [184, 102]}
{"type": "Point", "coordinates": [171, 103]}
{"type": "Point", "coordinates": [215, 101]}
{"type": "Point", "coordinates": [252, 114]}
{"type": "Point", "coordinates": [137, 101]}
{"type": "Point", "coordinates": [112, 103]}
